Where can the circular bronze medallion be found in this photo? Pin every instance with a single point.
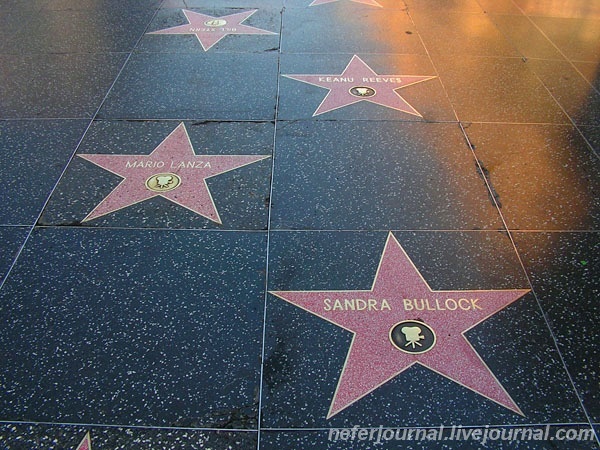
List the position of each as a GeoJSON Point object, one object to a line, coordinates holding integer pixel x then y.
{"type": "Point", "coordinates": [162, 182]}
{"type": "Point", "coordinates": [215, 23]}
{"type": "Point", "coordinates": [362, 91]}
{"type": "Point", "coordinates": [412, 336]}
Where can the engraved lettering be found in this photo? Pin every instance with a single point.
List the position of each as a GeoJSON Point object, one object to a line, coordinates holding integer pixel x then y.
{"type": "Point", "coordinates": [449, 304]}
{"type": "Point", "coordinates": [144, 164]}
{"type": "Point", "coordinates": [356, 304]}
{"type": "Point", "coordinates": [190, 165]}
{"type": "Point", "coordinates": [336, 79]}
{"type": "Point", "coordinates": [474, 304]}
{"type": "Point", "coordinates": [381, 80]}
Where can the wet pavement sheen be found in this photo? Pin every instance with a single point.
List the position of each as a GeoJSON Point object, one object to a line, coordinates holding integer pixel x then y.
{"type": "Point", "coordinates": [293, 224]}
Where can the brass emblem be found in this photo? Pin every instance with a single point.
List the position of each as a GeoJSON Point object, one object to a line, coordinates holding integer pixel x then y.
{"type": "Point", "coordinates": [412, 336]}
{"type": "Point", "coordinates": [215, 23]}
{"type": "Point", "coordinates": [362, 91]}
{"type": "Point", "coordinates": [163, 182]}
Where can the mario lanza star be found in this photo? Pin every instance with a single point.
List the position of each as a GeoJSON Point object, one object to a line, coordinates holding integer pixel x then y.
{"type": "Point", "coordinates": [172, 171]}
{"type": "Point", "coordinates": [209, 30]}
{"type": "Point", "coordinates": [366, 2]}
{"type": "Point", "coordinates": [400, 322]}
{"type": "Point", "coordinates": [357, 83]}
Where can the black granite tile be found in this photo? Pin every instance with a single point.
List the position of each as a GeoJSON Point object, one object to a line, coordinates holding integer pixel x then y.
{"type": "Point", "coordinates": [30, 6]}
{"type": "Point", "coordinates": [526, 37]}
{"type": "Point", "coordinates": [437, 6]}
{"type": "Point", "coordinates": [122, 6]}
{"type": "Point", "coordinates": [565, 9]}
{"type": "Point", "coordinates": [267, 19]}
{"type": "Point", "coordinates": [240, 196]}
{"type": "Point", "coordinates": [56, 85]}
{"type": "Point", "coordinates": [187, 4]}
{"type": "Point", "coordinates": [12, 239]}
{"type": "Point", "coordinates": [134, 327]}
{"type": "Point", "coordinates": [377, 175]}
{"type": "Point", "coordinates": [563, 268]}
{"type": "Point", "coordinates": [500, 7]}
{"type": "Point", "coordinates": [494, 261]}
{"type": "Point", "coordinates": [299, 100]}
{"type": "Point", "coordinates": [14, 16]}
{"type": "Point", "coordinates": [592, 134]}
{"type": "Point", "coordinates": [570, 89]}
{"type": "Point", "coordinates": [350, 6]}
{"type": "Point", "coordinates": [84, 31]}
{"type": "Point", "coordinates": [33, 154]}
{"type": "Point", "coordinates": [62, 437]}
{"type": "Point", "coordinates": [461, 33]}
{"type": "Point", "coordinates": [497, 90]}
{"type": "Point", "coordinates": [384, 4]}
{"type": "Point", "coordinates": [493, 437]}
{"type": "Point", "coordinates": [589, 70]}
{"type": "Point", "coordinates": [336, 29]}
{"type": "Point", "coordinates": [10, 23]}
{"type": "Point", "coordinates": [577, 39]}
{"type": "Point", "coordinates": [544, 176]}
{"type": "Point", "coordinates": [305, 354]}
{"type": "Point", "coordinates": [212, 86]}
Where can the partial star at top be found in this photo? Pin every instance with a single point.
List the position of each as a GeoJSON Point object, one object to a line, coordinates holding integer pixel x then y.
{"type": "Point", "coordinates": [357, 83]}
{"type": "Point", "coordinates": [400, 322]}
{"type": "Point", "coordinates": [172, 171]}
{"type": "Point", "coordinates": [86, 443]}
{"type": "Point", "coordinates": [366, 2]}
{"type": "Point", "coordinates": [209, 30]}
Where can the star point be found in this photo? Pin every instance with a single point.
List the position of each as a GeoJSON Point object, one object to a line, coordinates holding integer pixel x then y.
{"type": "Point", "coordinates": [357, 83]}
{"type": "Point", "coordinates": [172, 171]}
{"type": "Point", "coordinates": [86, 443]}
{"type": "Point", "coordinates": [209, 30]}
{"type": "Point", "coordinates": [401, 322]}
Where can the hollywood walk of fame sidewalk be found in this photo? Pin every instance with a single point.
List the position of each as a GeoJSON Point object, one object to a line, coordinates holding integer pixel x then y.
{"type": "Point", "coordinates": [263, 224]}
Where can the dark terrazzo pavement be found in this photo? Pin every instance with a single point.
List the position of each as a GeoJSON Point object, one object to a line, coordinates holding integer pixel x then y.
{"type": "Point", "coordinates": [153, 327]}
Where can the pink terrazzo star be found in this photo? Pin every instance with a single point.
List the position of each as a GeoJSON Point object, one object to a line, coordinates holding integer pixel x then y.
{"type": "Point", "coordinates": [172, 171]}
{"type": "Point", "coordinates": [366, 2]}
{"type": "Point", "coordinates": [357, 83]}
{"type": "Point", "coordinates": [86, 443]}
{"type": "Point", "coordinates": [209, 30]}
{"type": "Point", "coordinates": [400, 322]}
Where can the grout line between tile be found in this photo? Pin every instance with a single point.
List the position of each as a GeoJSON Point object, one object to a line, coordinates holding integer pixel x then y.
{"type": "Point", "coordinates": [568, 60]}
{"type": "Point", "coordinates": [433, 65]}
{"type": "Point", "coordinates": [275, 429]}
{"type": "Point", "coordinates": [105, 425]}
{"type": "Point", "coordinates": [269, 231]}
{"type": "Point", "coordinates": [572, 122]}
{"type": "Point", "coordinates": [73, 153]}
{"type": "Point", "coordinates": [268, 243]}
{"type": "Point", "coordinates": [529, 281]}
